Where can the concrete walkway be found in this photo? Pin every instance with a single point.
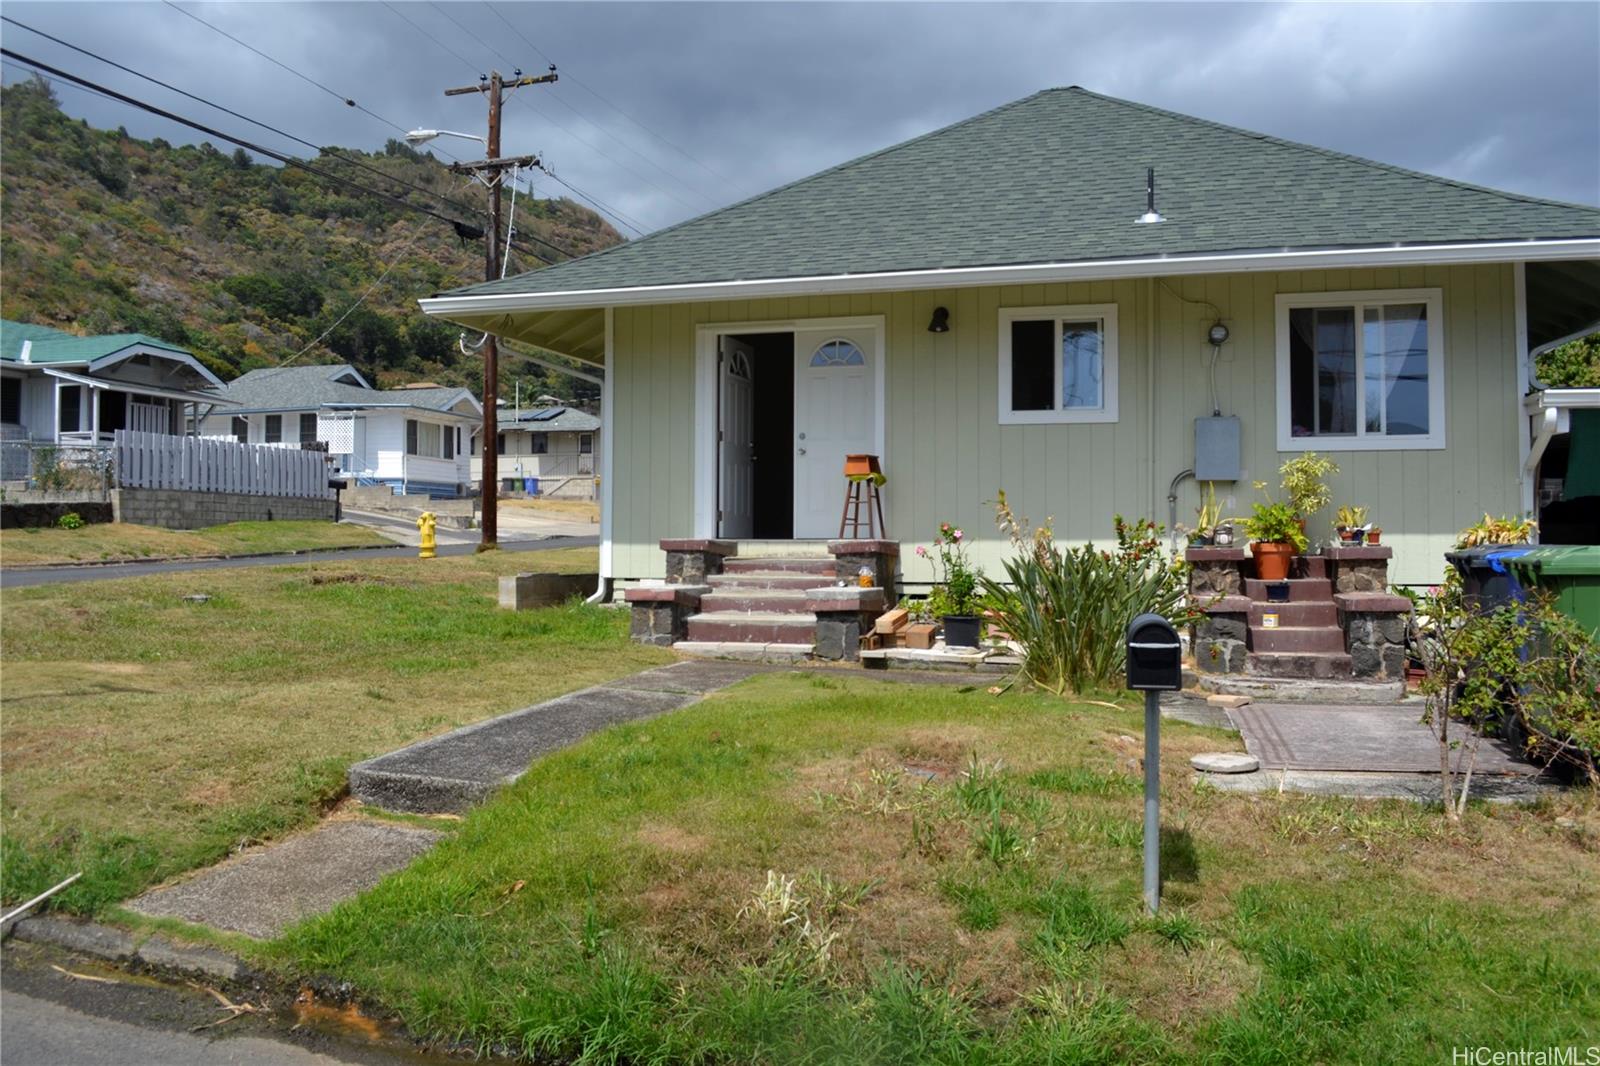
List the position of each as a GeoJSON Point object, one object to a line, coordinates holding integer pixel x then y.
{"type": "Point", "coordinates": [451, 773]}
{"type": "Point", "coordinates": [1367, 752]}
{"type": "Point", "coordinates": [263, 891]}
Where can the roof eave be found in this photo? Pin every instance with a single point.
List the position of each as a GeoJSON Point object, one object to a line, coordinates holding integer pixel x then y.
{"type": "Point", "coordinates": [453, 307]}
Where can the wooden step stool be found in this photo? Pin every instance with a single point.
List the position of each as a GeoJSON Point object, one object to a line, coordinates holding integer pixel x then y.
{"type": "Point", "coordinates": [863, 477]}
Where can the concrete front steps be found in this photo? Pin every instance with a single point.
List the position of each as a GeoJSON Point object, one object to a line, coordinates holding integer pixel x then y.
{"type": "Point", "coordinates": [761, 600]}
{"type": "Point", "coordinates": [1307, 642]}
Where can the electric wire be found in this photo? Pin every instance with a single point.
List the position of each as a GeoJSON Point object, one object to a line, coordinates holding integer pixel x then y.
{"type": "Point", "coordinates": [394, 261]}
{"type": "Point", "coordinates": [287, 160]}
{"type": "Point", "coordinates": [605, 100]}
{"type": "Point", "coordinates": [308, 79]}
{"type": "Point", "coordinates": [335, 153]}
{"type": "Point", "coordinates": [558, 99]}
{"type": "Point", "coordinates": [542, 114]}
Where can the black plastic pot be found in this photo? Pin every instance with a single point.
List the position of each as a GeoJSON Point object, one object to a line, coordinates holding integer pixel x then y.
{"type": "Point", "coordinates": [961, 630]}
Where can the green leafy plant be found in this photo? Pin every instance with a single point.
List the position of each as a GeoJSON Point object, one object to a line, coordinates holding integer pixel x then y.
{"type": "Point", "coordinates": [957, 590]}
{"type": "Point", "coordinates": [1574, 365]}
{"type": "Point", "coordinates": [1305, 482]}
{"type": "Point", "coordinates": [1209, 514]}
{"type": "Point", "coordinates": [70, 520]}
{"type": "Point", "coordinates": [1502, 530]}
{"type": "Point", "coordinates": [1524, 661]}
{"type": "Point", "coordinates": [1348, 517]}
{"type": "Point", "coordinates": [1069, 608]}
{"type": "Point", "coordinates": [1275, 522]}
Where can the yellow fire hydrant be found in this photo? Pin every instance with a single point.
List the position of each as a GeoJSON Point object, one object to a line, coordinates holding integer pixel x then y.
{"type": "Point", "coordinates": [425, 522]}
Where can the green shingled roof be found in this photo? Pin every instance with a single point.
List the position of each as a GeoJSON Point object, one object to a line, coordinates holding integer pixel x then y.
{"type": "Point", "coordinates": [1059, 177]}
{"type": "Point", "coordinates": [55, 346]}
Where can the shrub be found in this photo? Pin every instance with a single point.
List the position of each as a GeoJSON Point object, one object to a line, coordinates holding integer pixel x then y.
{"type": "Point", "coordinates": [1070, 608]}
{"type": "Point", "coordinates": [1304, 482]}
{"type": "Point", "coordinates": [70, 520]}
{"type": "Point", "coordinates": [1502, 530]}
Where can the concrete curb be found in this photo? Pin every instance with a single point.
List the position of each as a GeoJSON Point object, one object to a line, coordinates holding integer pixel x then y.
{"type": "Point", "coordinates": [120, 946]}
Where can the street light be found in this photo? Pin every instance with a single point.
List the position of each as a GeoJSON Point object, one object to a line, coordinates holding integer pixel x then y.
{"type": "Point", "coordinates": [423, 136]}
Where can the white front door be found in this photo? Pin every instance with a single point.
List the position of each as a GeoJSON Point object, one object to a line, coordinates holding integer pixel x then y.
{"type": "Point", "coordinates": [835, 414]}
{"type": "Point", "coordinates": [736, 445]}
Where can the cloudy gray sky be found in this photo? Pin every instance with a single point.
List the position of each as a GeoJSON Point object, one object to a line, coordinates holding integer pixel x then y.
{"type": "Point", "coordinates": [667, 110]}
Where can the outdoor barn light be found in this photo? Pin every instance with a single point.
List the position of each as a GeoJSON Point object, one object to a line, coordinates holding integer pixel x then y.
{"type": "Point", "coordinates": [941, 320]}
{"type": "Point", "coordinates": [1218, 334]}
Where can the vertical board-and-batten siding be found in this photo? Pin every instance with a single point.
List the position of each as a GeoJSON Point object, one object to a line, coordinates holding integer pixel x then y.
{"type": "Point", "coordinates": [946, 453]}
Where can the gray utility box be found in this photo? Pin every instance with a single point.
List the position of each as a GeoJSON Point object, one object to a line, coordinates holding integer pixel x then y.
{"type": "Point", "coordinates": [1217, 452]}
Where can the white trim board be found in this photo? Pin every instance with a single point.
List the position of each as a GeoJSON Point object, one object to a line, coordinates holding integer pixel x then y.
{"type": "Point", "coordinates": [705, 398]}
{"type": "Point", "coordinates": [1021, 274]}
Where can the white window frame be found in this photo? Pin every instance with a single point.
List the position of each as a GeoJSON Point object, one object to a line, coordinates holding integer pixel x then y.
{"type": "Point", "coordinates": [1433, 440]}
{"type": "Point", "coordinates": [1107, 411]}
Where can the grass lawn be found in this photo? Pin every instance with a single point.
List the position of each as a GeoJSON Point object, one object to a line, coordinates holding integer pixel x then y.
{"type": "Point", "coordinates": [114, 541]}
{"type": "Point", "coordinates": [144, 735]}
{"type": "Point", "coordinates": [825, 868]}
{"type": "Point", "coordinates": [551, 507]}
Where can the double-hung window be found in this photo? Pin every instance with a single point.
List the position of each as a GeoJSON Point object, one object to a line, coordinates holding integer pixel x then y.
{"type": "Point", "coordinates": [1058, 364]}
{"type": "Point", "coordinates": [274, 429]}
{"type": "Point", "coordinates": [1360, 371]}
{"type": "Point", "coordinates": [308, 429]}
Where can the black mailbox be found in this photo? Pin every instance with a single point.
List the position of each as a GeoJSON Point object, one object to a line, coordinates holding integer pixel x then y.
{"type": "Point", "coordinates": [1154, 654]}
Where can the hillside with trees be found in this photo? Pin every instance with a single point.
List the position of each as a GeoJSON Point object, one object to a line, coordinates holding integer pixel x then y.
{"type": "Point", "coordinates": [247, 264]}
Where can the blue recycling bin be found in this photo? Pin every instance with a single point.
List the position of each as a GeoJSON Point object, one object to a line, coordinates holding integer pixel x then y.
{"type": "Point", "coordinates": [530, 485]}
{"type": "Point", "coordinates": [1487, 579]}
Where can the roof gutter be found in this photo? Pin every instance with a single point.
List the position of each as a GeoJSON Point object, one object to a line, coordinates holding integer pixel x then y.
{"type": "Point", "coordinates": [1021, 274]}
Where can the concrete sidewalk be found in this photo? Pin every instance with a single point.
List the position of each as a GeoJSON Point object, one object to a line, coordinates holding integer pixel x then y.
{"type": "Point", "coordinates": [451, 773]}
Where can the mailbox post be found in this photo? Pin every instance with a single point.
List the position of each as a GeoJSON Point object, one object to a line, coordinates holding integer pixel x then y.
{"type": "Point", "coordinates": [1154, 666]}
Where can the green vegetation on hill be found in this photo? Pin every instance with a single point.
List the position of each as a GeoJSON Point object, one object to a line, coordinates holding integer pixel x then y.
{"type": "Point", "coordinates": [246, 263]}
{"type": "Point", "coordinates": [1574, 365]}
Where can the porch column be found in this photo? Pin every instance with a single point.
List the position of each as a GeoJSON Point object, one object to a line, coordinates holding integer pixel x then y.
{"type": "Point", "coordinates": [94, 418]}
{"type": "Point", "coordinates": [55, 412]}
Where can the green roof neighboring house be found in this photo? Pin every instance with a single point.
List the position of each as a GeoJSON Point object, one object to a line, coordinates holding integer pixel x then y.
{"type": "Point", "coordinates": [1054, 178]}
{"type": "Point", "coordinates": [24, 342]}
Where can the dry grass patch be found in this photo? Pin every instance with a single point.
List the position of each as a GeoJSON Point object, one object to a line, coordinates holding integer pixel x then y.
{"type": "Point", "coordinates": [120, 542]}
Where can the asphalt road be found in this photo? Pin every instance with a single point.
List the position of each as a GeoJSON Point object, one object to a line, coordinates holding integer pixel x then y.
{"type": "Point", "coordinates": [57, 575]}
{"type": "Point", "coordinates": [60, 1009]}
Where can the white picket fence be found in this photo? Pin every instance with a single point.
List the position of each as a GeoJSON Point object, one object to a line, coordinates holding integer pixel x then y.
{"type": "Point", "coordinates": [205, 464]}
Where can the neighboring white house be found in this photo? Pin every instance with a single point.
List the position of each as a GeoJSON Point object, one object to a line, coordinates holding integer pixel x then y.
{"type": "Point", "coordinates": [69, 391]}
{"type": "Point", "coordinates": [548, 451]}
{"type": "Point", "coordinates": [414, 438]}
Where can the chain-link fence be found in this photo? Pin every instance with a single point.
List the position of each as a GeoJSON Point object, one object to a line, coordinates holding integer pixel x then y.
{"type": "Point", "coordinates": [64, 468]}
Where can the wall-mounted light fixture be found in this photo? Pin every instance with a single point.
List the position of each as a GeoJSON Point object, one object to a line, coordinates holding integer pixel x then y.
{"type": "Point", "coordinates": [941, 320]}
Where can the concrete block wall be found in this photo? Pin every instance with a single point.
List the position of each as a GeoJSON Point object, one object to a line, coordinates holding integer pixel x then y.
{"type": "Point", "coordinates": [179, 509]}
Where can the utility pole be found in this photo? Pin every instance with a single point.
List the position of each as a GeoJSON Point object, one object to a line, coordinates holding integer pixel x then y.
{"type": "Point", "coordinates": [489, 171]}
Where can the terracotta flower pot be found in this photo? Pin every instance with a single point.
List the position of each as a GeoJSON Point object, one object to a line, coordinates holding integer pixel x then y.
{"type": "Point", "coordinates": [1272, 559]}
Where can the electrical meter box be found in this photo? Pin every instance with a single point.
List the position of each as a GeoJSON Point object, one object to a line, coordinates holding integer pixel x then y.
{"type": "Point", "coordinates": [1217, 452]}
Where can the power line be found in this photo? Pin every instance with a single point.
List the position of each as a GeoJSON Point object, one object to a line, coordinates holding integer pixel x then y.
{"type": "Point", "coordinates": [598, 205]}
{"type": "Point", "coordinates": [604, 100]}
{"type": "Point", "coordinates": [288, 160]}
{"type": "Point", "coordinates": [308, 79]}
{"type": "Point", "coordinates": [394, 262]}
{"type": "Point", "coordinates": [558, 99]}
{"type": "Point", "coordinates": [323, 151]}
{"type": "Point", "coordinates": [596, 148]}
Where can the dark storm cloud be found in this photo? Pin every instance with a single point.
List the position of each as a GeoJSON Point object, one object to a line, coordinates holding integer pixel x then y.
{"type": "Point", "coordinates": [737, 98]}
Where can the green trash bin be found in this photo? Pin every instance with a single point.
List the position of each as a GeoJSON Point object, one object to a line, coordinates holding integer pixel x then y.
{"type": "Point", "coordinates": [1571, 573]}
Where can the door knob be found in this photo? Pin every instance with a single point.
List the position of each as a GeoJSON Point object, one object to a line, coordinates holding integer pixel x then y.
{"type": "Point", "coordinates": [802, 451]}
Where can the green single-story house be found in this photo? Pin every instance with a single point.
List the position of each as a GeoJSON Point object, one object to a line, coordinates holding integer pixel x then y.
{"type": "Point", "coordinates": [1006, 303]}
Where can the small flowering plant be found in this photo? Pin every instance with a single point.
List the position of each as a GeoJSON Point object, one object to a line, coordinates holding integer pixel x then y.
{"type": "Point", "coordinates": [957, 590]}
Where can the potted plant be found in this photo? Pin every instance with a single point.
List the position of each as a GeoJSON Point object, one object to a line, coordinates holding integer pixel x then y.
{"type": "Point", "coordinates": [1304, 482]}
{"type": "Point", "coordinates": [1373, 534]}
{"type": "Point", "coordinates": [1275, 531]}
{"type": "Point", "coordinates": [1207, 516]}
{"type": "Point", "coordinates": [1350, 523]}
{"type": "Point", "coordinates": [954, 600]}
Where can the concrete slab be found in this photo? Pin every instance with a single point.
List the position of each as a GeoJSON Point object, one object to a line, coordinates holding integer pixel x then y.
{"type": "Point", "coordinates": [262, 891]}
{"type": "Point", "coordinates": [449, 774]}
{"type": "Point", "coordinates": [1318, 737]}
{"type": "Point", "coordinates": [1417, 787]}
{"type": "Point", "coordinates": [1296, 690]}
{"type": "Point", "coordinates": [1225, 762]}
{"type": "Point", "coordinates": [698, 676]}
